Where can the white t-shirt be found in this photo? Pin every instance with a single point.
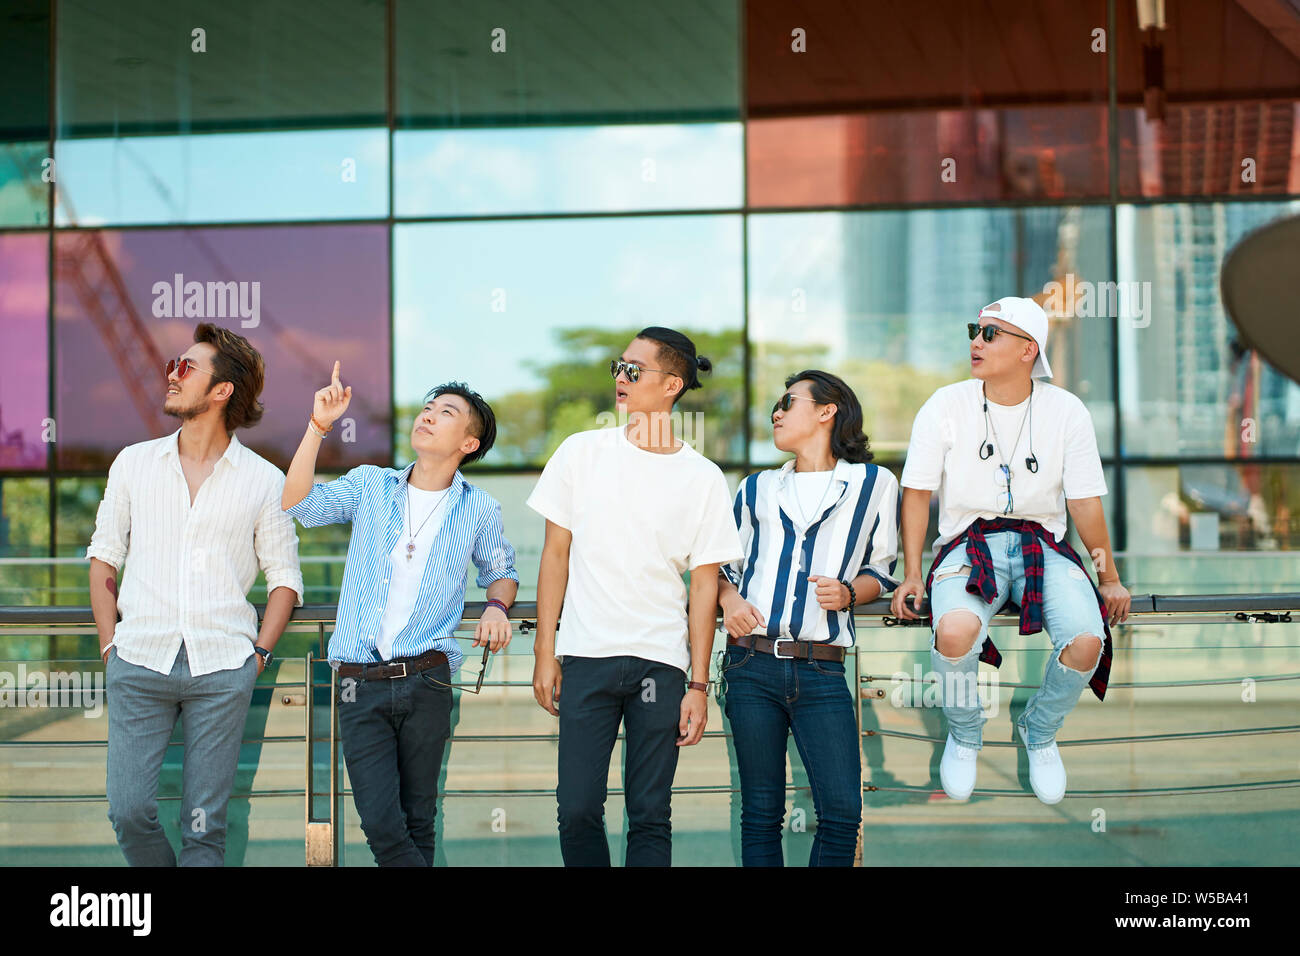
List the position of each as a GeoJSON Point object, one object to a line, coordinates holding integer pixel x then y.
{"type": "Point", "coordinates": [812, 494]}
{"type": "Point", "coordinates": [639, 521]}
{"type": "Point", "coordinates": [427, 510]}
{"type": "Point", "coordinates": [944, 455]}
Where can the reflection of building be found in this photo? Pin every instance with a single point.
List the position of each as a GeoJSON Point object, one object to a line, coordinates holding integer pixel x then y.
{"type": "Point", "coordinates": [1183, 377]}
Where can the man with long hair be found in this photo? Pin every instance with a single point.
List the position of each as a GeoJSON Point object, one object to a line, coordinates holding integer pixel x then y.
{"type": "Point", "coordinates": [819, 536]}
{"type": "Point", "coordinates": [193, 516]}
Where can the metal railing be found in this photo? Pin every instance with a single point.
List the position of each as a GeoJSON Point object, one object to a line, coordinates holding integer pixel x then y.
{"type": "Point", "coordinates": [323, 829]}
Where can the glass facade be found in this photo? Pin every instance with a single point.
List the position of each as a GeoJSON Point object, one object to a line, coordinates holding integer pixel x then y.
{"type": "Point", "coordinates": [504, 191]}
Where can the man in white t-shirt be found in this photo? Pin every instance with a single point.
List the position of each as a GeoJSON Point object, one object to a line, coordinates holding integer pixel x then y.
{"type": "Point", "coordinates": [1004, 489]}
{"type": "Point", "coordinates": [629, 510]}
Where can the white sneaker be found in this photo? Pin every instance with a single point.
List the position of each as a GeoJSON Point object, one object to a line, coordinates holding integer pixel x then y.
{"type": "Point", "coordinates": [1046, 771]}
{"type": "Point", "coordinates": [957, 770]}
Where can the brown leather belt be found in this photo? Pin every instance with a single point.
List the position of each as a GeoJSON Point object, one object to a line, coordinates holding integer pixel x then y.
{"type": "Point", "coordinates": [402, 667]}
{"type": "Point", "coordinates": [790, 649]}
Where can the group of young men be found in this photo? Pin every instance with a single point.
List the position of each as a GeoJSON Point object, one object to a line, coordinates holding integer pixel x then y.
{"type": "Point", "coordinates": [644, 546]}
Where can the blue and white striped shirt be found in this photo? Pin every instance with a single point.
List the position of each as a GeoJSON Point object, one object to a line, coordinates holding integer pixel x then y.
{"type": "Point", "coordinates": [855, 533]}
{"type": "Point", "coordinates": [372, 499]}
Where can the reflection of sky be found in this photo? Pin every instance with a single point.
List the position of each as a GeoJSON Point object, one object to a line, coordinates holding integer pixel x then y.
{"type": "Point", "coordinates": [682, 272]}
{"type": "Point", "coordinates": [223, 177]}
{"type": "Point", "coordinates": [567, 169]}
{"type": "Point", "coordinates": [24, 367]}
{"type": "Point", "coordinates": [324, 296]}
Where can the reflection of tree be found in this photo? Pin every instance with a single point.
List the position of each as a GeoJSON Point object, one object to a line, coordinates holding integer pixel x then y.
{"type": "Point", "coordinates": [890, 393]}
{"type": "Point", "coordinates": [578, 388]}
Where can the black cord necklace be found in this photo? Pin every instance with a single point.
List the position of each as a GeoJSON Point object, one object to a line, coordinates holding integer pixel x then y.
{"type": "Point", "coordinates": [986, 447]}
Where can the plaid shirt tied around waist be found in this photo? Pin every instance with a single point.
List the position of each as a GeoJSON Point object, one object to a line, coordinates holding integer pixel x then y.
{"type": "Point", "coordinates": [982, 582]}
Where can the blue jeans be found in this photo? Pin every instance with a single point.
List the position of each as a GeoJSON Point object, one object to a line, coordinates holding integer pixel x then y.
{"type": "Point", "coordinates": [142, 711]}
{"type": "Point", "coordinates": [765, 700]}
{"type": "Point", "coordinates": [1069, 610]}
{"type": "Point", "coordinates": [596, 695]}
{"type": "Point", "coordinates": [394, 733]}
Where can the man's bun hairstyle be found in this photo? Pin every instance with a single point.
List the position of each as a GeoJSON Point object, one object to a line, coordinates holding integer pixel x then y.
{"type": "Point", "coordinates": [677, 355]}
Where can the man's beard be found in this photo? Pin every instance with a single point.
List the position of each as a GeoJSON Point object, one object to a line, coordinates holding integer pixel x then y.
{"type": "Point", "coordinates": [189, 412]}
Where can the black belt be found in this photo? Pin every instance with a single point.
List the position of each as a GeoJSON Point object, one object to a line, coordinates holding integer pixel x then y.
{"type": "Point", "coordinates": [803, 650]}
{"type": "Point", "coordinates": [401, 667]}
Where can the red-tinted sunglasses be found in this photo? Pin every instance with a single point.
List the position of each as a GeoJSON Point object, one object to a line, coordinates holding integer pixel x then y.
{"type": "Point", "coordinates": [182, 366]}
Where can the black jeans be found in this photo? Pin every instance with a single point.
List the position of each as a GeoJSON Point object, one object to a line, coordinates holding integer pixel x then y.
{"type": "Point", "coordinates": [596, 695]}
{"type": "Point", "coordinates": [394, 733]}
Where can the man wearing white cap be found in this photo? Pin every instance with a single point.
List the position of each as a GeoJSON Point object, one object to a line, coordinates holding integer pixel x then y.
{"type": "Point", "coordinates": [1004, 491]}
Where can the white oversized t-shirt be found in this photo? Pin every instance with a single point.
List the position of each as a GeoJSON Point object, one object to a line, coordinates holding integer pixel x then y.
{"type": "Point", "coordinates": [943, 455]}
{"type": "Point", "coordinates": [639, 521]}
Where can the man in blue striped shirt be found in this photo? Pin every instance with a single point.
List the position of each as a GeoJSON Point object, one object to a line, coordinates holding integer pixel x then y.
{"type": "Point", "coordinates": [414, 533]}
{"type": "Point", "coordinates": [819, 535]}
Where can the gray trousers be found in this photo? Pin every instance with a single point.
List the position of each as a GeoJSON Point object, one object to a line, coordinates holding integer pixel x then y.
{"type": "Point", "coordinates": [142, 709]}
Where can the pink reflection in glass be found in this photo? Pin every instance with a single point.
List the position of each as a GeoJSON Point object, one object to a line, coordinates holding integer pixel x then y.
{"type": "Point", "coordinates": [303, 296]}
{"type": "Point", "coordinates": [24, 351]}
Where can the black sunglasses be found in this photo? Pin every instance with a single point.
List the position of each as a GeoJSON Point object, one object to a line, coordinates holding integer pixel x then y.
{"type": "Point", "coordinates": [974, 328]}
{"type": "Point", "coordinates": [633, 371]}
{"type": "Point", "coordinates": [785, 401]}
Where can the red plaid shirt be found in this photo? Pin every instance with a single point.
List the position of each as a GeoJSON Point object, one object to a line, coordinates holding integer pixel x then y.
{"type": "Point", "coordinates": [982, 582]}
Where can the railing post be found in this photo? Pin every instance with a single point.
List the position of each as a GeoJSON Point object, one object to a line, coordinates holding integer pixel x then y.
{"type": "Point", "coordinates": [862, 765]}
{"type": "Point", "coordinates": [321, 848]}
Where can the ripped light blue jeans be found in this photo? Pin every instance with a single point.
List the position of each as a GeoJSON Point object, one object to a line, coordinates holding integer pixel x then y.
{"type": "Point", "coordinates": [1069, 610]}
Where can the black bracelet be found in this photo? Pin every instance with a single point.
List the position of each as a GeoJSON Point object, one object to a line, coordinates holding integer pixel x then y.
{"type": "Point", "coordinates": [853, 596]}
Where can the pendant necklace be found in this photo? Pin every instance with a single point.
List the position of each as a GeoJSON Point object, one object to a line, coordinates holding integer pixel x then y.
{"type": "Point", "coordinates": [410, 538]}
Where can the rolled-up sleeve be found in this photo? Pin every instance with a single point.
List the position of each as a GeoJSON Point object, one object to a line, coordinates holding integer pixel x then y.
{"type": "Point", "coordinates": [332, 502]}
{"type": "Point", "coordinates": [881, 555]}
{"type": "Point", "coordinates": [493, 554]}
{"type": "Point", "coordinates": [276, 544]}
{"type": "Point", "coordinates": [112, 534]}
{"type": "Point", "coordinates": [740, 511]}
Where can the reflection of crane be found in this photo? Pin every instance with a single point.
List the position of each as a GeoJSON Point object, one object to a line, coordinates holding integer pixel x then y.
{"type": "Point", "coordinates": [84, 261]}
{"type": "Point", "coordinates": [311, 371]}
{"type": "Point", "coordinates": [86, 264]}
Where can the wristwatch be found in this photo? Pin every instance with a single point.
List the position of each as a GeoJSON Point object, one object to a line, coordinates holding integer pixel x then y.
{"type": "Point", "coordinates": [266, 656]}
{"type": "Point", "coordinates": [697, 685]}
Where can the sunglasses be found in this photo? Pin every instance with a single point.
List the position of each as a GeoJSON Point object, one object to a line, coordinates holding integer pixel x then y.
{"type": "Point", "coordinates": [785, 401]}
{"type": "Point", "coordinates": [182, 366]}
{"type": "Point", "coordinates": [633, 372]}
{"type": "Point", "coordinates": [989, 331]}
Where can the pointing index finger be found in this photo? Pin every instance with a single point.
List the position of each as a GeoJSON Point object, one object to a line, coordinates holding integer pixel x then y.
{"type": "Point", "coordinates": [335, 380]}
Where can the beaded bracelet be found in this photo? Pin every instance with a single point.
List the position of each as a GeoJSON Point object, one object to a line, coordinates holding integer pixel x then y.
{"type": "Point", "coordinates": [853, 596]}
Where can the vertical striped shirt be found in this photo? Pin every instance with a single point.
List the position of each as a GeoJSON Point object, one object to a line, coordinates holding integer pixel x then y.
{"type": "Point", "coordinates": [189, 568]}
{"type": "Point", "coordinates": [373, 499]}
{"type": "Point", "coordinates": [855, 533]}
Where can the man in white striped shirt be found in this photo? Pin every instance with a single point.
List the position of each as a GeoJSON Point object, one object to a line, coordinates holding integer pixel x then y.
{"type": "Point", "coordinates": [819, 535]}
{"type": "Point", "coordinates": [193, 516]}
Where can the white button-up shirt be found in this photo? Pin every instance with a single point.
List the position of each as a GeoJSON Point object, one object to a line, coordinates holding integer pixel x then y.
{"type": "Point", "coordinates": [189, 568]}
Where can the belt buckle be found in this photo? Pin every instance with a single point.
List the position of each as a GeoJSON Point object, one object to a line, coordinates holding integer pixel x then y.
{"type": "Point", "coordinates": [776, 648]}
{"type": "Point", "coordinates": [403, 674]}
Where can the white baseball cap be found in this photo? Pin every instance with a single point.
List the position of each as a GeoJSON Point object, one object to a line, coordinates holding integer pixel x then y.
{"type": "Point", "coordinates": [1028, 316]}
